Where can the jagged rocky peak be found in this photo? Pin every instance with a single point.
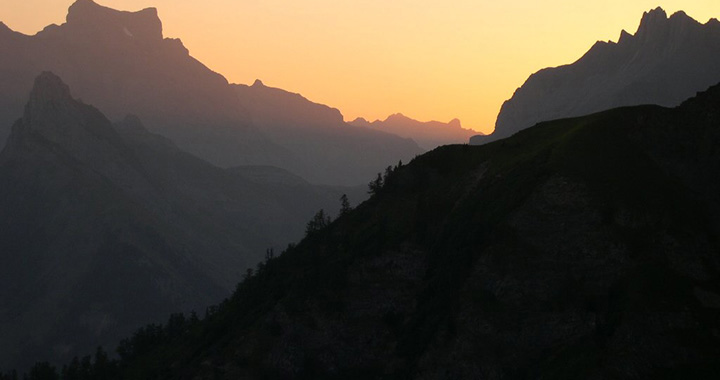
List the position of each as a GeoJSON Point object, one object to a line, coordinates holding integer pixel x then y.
{"type": "Point", "coordinates": [49, 97]}
{"type": "Point", "coordinates": [52, 113]}
{"type": "Point", "coordinates": [655, 22]}
{"type": "Point", "coordinates": [92, 17]}
{"type": "Point", "coordinates": [653, 19]}
{"type": "Point", "coordinates": [624, 36]}
{"type": "Point", "coordinates": [49, 93]}
{"type": "Point", "coordinates": [667, 60]}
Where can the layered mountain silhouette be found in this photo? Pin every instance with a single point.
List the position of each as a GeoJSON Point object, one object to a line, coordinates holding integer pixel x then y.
{"type": "Point", "coordinates": [579, 248]}
{"type": "Point", "coordinates": [666, 61]}
{"type": "Point", "coordinates": [105, 227]}
{"type": "Point", "coordinates": [120, 62]}
{"type": "Point", "coordinates": [317, 132]}
{"type": "Point", "coordinates": [429, 135]}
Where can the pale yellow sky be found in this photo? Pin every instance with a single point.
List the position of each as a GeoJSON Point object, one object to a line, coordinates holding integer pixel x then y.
{"type": "Point", "coordinates": [428, 59]}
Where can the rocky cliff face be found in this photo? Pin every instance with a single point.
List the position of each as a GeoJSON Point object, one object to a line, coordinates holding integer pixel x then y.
{"type": "Point", "coordinates": [666, 61]}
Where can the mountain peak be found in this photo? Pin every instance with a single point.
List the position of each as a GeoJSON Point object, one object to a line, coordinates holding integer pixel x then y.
{"type": "Point", "coordinates": [651, 21]}
{"type": "Point", "coordinates": [54, 115]}
{"type": "Point", "coordinates": [657, 26]}
{"type": "Point", "coordinates": [682, 18]}
{"type": "Point", "coordinates": [82, 10]}
{"type": "Point", "coordinates": [48, 88]}
{"type": "Point", "coordinates": [93, 18]}
{"type": "Point", "coordinates": [397, 117]}
{"type": "Point", "coordinates": [654, 15]}
{"type": "Point", "coordinates": [624, 36]}
{"type": "Point", "coordinates": [258, 83]}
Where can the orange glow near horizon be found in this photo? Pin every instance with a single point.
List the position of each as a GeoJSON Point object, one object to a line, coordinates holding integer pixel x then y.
{"type": "Point", "coordinates": [427, 59]}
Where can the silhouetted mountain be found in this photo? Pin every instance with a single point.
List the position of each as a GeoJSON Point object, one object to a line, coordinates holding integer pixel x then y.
{"type": "Point", "coordinates": [429, 135]}
{"type": "Point", "coordinates": [337, 152]}
{"type": "Point", "coordinates": [120, 62]}
{"type": "Point", "coordinates": [107, 227]}
{"type": "Point", "coordinates": [580, 248]}
{"type": "Point", "coordinates": [665, 62]}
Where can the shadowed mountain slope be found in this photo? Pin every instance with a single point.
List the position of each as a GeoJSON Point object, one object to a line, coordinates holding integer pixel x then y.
{"type": "Point", "coordinates": [429, 135]}
{"type": "Point", "coordinates": [665, 62]}
{"type": "Point", "coordinates": [579, 248]}
{"type": "Point", "coordinates": [105, 227]}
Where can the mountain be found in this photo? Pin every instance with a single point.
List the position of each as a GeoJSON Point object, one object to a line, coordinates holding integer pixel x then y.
{"type": "Point", "coordinates": [106, 227]}
{"type": "Point", "coordinates": [120, 62]}
{"type": "Point", "coordinates": [579, 248]}
{"type": "Point", "coordinates": [429, 135]}
{"type": "Point", "coordinates": [337, 152]}
{"type": "Point", "coordinates": [665, 62]}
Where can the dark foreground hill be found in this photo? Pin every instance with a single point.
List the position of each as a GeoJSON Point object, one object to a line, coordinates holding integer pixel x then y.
{"type": "Point", "coordinates": [665, 62]}
{"type": "Point", "coordinates": [580, 248]}
{"type": "Point", "coordinates": [106, 227]}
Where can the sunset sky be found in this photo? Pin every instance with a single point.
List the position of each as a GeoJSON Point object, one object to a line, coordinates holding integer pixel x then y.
{"type": "Point", "coordinates": [429, 59]}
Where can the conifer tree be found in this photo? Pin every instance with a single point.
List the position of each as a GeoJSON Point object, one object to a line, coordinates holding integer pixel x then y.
{"type": "Point", "coordinates": [376, 185]}
{"type": "Point", "coordinates": [344, 205]}
{"type": "Point", "coordinates": [318, 222]}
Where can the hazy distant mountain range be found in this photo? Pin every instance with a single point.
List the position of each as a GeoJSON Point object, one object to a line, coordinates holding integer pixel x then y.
{"type": "Point", "coordinates": [666, 61]}
{"type": "Point", "coordinates": [120, 62]}
{"type": "Point", "coordinates": [105, 227]}
{"type": "Point", "coordinates": [429, 135]}
{"type": "Point", "coordinates": [318, 134]}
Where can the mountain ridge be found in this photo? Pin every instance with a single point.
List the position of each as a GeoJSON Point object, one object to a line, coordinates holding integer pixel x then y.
{"type": "Point", "coordinates": [341, 150]}
{"type": "Point", "coordinates": [666, 61]}
{"type": "Point", "coordinates": [121, 62]}
{"type": "Point", "coordinates": [429, 135]}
